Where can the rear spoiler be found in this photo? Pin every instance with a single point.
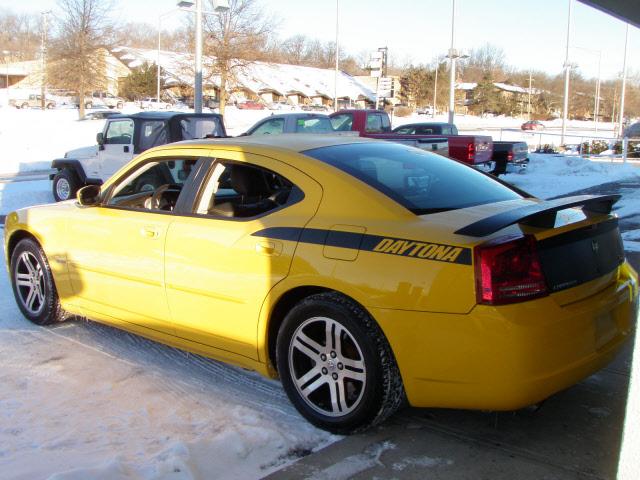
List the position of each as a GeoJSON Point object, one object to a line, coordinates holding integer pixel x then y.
{"type": "Point", "coordinates": [541, 215]}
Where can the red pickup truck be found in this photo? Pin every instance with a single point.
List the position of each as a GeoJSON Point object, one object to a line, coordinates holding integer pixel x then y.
{"type": "Point", "coordinates": [376, 124]}
{"type": "Point", "coordinates": [472, 149]}
{"type": "Point", "coordinates": [476, 150]}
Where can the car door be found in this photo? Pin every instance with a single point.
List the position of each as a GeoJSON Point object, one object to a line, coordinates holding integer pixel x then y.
{"type": "Point", "coordinates": [116, 249]}
{"type": "Point", "coordinates": [117, 149]}
{"type": "Point", "coordinates": [221, 266]}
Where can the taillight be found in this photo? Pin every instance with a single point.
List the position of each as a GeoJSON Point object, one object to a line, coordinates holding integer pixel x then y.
{"type": "Point", "coordinates": [508, 270]}
{"type": "Point", "coordinates": [509, 156]}
{"type": "Point", "coordinates": [471, 151]}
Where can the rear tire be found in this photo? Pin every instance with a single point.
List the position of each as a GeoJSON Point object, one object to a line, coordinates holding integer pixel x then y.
{"type": "Point", "coordinates": [33, 285]}
{"type": "Point", "coordinates": [336, 365]}
{"type": "Point", "coordinates": [65, 185]}
{"type": "Point", "coordinates": [119, 106]}
{"type": "Point", "coordinates": [24, 105]}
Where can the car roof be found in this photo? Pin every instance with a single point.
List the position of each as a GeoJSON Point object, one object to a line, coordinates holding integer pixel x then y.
{"type": "Point", "coordinates": [295, 114]}
{"type": "Point", "coordinates": [153, 115]}
{"type": "Point", "coordinates": [295, 142]}
{"type": "Point", "coordinates": [420, 124]}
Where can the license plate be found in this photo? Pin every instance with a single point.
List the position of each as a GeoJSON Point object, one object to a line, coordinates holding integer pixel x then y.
{"type": "Point", "coordinates": [605, 329]}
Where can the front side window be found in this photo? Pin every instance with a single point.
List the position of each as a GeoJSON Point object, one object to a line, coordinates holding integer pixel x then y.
{"type": "Point", "coordinates": [152, 133]}
{"type": "Point", "coordinates": [120, 132]}
{"type": "Point", "coordinates": [241, 190]}
{"type": "Point", "coordinates": [270, 127]}
{"type": "Point", "coordinates": [420, 181]}
{"type": "Point", "coordinates": [155, 185]}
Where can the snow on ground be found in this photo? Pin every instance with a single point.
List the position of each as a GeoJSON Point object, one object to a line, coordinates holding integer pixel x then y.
{"type": "Point", "coordinates": [552, 175]}
{"type": "Point", "coordinates": [15, 195]}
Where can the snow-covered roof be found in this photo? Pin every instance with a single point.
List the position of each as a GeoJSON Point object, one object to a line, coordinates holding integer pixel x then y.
{"type": "Point", "coordinates": [516, 88]}
{"type": "Point", "coordinates": [257, 77]}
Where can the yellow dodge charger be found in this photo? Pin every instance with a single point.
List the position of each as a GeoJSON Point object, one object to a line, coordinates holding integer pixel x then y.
{"type": "Point", "coordinates": [362, 273]}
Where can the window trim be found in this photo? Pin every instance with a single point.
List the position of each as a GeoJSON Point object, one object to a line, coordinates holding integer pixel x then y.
{"type": "Point", "coordinates": [182, 206]}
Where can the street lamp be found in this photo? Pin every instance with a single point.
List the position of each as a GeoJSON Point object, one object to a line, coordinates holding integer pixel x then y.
{"type": "Point", "coordinates": [219, 6]}
{"type": "Point", "coordinates": [335, 76]}
{"type": "Point", "coordinates": [452, 56]}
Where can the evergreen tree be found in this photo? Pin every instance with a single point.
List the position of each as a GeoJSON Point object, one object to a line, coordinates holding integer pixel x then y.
{"type": "Point", "coordinates": [141, 83]}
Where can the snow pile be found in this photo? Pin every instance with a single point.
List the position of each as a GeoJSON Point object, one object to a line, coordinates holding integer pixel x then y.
{"type": "Point", "coordinates": [552, 175]}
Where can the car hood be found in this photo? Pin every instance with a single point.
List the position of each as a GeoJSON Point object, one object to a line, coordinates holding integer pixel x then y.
{"type": "Point", "coordinates": [84, 152]}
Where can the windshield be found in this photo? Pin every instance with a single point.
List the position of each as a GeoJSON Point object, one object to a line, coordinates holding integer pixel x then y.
{"type": "Point", "coordinates": [420, 181]}
{"type": "Point", "coordinates": [194, 128]}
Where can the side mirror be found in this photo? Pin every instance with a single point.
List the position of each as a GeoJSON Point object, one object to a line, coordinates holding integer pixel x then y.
{"type": "Point", "coordinates": [100, 139]}
{"type": "Point", "coordinates": [89, 196]}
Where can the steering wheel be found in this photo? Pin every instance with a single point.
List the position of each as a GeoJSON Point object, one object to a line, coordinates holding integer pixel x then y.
{"type": "Point", "coordinates": [156, 198]}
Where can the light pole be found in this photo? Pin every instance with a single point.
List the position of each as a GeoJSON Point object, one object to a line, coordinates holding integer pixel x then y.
{"type": "Point", "coordinates": [452, 69]}
{"type": "Point", "coordinates": [624, 82]}
{"type": "Point", "coordinates": [43, 86]}
{"type": "Point", "coordinates": [6, 54]}
{"type": "Point", "coordinates": [596, 104]}
{"type": "Point", "coordinates": [335, 78]}
{"type": "Point", "coordinates": [219, 6]}
{"type": "Point", "coordinates": [567, 69]}
{"type": "Point", "coordinates": [529, 103]}
{"type": "Point", "coordinates": [435, 91]}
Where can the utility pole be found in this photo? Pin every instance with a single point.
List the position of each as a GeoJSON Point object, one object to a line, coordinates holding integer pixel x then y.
{"type": "Point", "coordinates": [43, 49]}
{"type": "Point", "coordinates": [335, 79]}
{"type": "Point", "coordinates": [567, 70]}
{"type": "Point", "coordinates": [624, 83]}
{"type": "Point", "coordinates": [529, 106]}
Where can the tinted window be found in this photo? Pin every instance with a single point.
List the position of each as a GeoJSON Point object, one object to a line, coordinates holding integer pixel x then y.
{"type": "Point", "coordinates": [313, 125]}
{"type": "Point", "coordinates": [270, 127]}
{"type": "Point", "coordinates": [164, 178]}
{"type": "Point", "coordinates": [342, 122]}
{"type": "Point", "coordinates": [420, 181]}
{"type": "Point", "coordinates": [374, 124]}
{"type": "Point", "coordinates": [152, 133]}
{"type": "Point", "coordinates": [193, 127]}
{"type": "Point", "coordinates": [405, 130]}
{"type": "Point", "coordinates": [119, 132]}
{"type": "Point", "coordinates": [428, 131]}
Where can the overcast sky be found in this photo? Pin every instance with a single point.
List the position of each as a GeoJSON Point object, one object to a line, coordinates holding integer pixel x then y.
{"type": "Point", "coordinates": [532, 33]}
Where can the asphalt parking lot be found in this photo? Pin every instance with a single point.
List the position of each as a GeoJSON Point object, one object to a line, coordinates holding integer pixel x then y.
{"type": "Point", "coordinates": [576, 433]}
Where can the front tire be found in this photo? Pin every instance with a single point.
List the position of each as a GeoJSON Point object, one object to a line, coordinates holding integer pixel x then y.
{"type": "Point", "coordinates": [336, 365]}
{"type": "Point", "coordinates": [65, 185]}
{"type": "Point", "coordinates": [33, 285]}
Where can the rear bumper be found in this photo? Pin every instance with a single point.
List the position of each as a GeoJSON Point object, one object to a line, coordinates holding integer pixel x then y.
{"type": "Point", "coordinates": [508, 357]}
{"type": "Point", "coordinates": [486, 167]}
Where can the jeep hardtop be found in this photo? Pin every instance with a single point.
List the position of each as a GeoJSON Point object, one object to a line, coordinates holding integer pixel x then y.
{"type": "Point", "coordinates": [122, 138]}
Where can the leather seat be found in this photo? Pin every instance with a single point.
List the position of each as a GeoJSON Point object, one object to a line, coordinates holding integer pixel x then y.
{"type": "Point", "coordinates": [252, 186]}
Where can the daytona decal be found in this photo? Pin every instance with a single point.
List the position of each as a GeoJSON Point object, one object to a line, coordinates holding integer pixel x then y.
{"type": "Point", "coordinates": [371, 243]}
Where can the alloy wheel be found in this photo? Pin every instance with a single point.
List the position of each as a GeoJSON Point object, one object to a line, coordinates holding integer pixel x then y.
{"type": "Point", "coordinates": [30, 283]}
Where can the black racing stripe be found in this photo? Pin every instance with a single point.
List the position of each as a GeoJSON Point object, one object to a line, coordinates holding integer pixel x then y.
{"type": "Point", "coordinates": [364, 242]}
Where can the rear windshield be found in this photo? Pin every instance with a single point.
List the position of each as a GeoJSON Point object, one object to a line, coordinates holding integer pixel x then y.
{"type": "Point", "coordinates": [420, 181]}
{"type": "Point", "coordinates": [200, 127]}
{"type": "Point", "coordinates": [313, 125]}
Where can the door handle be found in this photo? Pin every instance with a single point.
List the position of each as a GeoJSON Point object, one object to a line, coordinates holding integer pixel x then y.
{"type": "Point", "coordinates": [126, 148]}
{"type": "Point", "coordinates": [149, 232]}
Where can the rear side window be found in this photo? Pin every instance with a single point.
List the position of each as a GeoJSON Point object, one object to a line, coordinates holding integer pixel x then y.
{"type": "Point", "coordinates": [342, 122]}
{"type": "Point", "coordinates": [152, 133]}
{"type": "Point", "coordinates": [195, 127]}
{"type": "Point", "coordinates": [420, 181]}
{"type": "Point", "coordinates": [270, 127]}
{"type": "Point", "coordinates": [313, 125]}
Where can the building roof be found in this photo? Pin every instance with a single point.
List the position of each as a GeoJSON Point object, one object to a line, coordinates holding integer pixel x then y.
{"type": "Point", "coordinates": [257, 77]}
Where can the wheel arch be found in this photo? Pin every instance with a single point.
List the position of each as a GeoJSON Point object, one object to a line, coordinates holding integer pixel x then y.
{"type": "Point", "coordinates": [283, 305]}
{"type": "Point", "coordinates": [15, 238]}
{"type": "Point", "coordinates": [73, 165]}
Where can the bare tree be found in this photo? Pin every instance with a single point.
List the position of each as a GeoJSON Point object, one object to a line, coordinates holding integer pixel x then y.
{"type": "Point", "coordinates": [85, 33]}
{"type": "Point", "coordinates": [20, 34]}
{"type": "Point", "coordinates": [235, 40]}
{"type": "Point", "coordinates": [488, 61]}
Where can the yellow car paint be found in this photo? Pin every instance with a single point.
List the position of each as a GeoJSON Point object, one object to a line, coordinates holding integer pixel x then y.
{"type": "Point", "coordinates": [211, 285]}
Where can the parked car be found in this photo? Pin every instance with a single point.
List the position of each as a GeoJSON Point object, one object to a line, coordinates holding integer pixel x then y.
{"type": "Point", "coordinates": [32, 101]}
{"type": "Point", "coordinates": [104, 98]}
{"type": "Point", "coordinates": [122, 137]}
{"type": "Point", "coordinates": [476, 150]}
{"type": "Point", "coordinates": [280, 106]}
{"type": "Point", "coordinates": [425, 111]}
{"type": "Point", "coordinates": [532, 125]}
{"type": "Point", "coordinates": [101, 114]}
{"type": "Point", "coordinates": [363, 274]}
{"type": "Point", "coordinates": [151, 103]}
{"type": "Point", "coordinates": [250, 105]}
{"type": "Point", "coordinates": [510, 157]}
{"type": "Point", "coordinates": [292, 123]}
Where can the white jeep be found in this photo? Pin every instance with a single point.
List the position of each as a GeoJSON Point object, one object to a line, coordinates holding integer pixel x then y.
{"type": "Point", "coordinates": [123, 137]}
